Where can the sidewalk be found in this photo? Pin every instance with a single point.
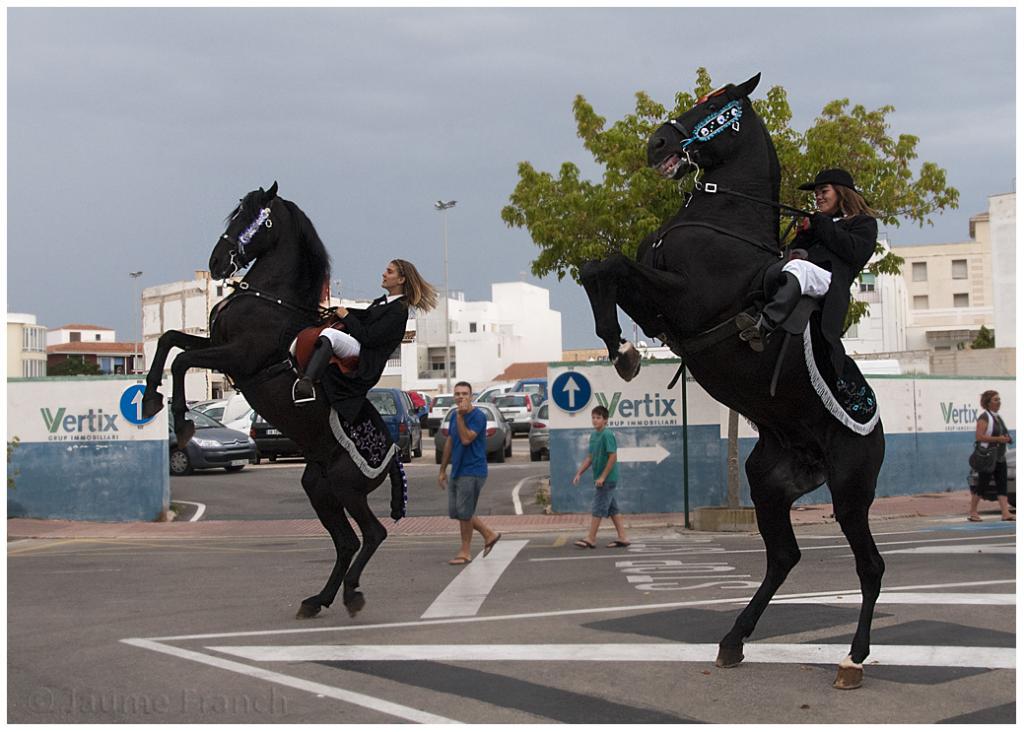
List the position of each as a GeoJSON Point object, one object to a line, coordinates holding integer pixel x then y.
{"type": "Point", "coordinates": [923, 504]}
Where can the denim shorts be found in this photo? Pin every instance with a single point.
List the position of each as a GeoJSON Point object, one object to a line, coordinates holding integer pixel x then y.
{"type": "Point", "coordinates": [463, 493]}
{"type": "Point", "coordinates": [604, 501]}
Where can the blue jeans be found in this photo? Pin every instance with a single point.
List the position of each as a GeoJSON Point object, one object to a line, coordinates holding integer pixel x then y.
{"type": "Point", "coordinates": [604, 501]}
{"type": "Point", "coordinates": [463, 493]}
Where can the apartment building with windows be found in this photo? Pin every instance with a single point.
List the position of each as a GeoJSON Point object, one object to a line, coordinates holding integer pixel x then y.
{"type": "Point", "coordinates": [949, 290]}
{"type": "Point", "coordinates": [26, 346]}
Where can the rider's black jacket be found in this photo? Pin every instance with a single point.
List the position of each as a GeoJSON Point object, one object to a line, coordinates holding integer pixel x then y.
{"type": "Point", "coordinates": [843, 247]}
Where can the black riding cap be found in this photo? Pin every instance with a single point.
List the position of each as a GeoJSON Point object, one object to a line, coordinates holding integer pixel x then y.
{"type": "Point", "coordinates": [833, 176]}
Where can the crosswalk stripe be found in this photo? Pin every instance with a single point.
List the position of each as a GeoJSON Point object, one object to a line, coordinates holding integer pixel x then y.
{"type": "Point", "coordinates": [466, 593]}
{"type": "Point", "coordinates": [887, 655]}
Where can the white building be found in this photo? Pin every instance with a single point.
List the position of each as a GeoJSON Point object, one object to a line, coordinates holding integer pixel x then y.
{"type": "Point", "coordinates": [26, 346]}
{"type": "Point", "coordinates": [883, 329]}
{"type": "Point", "coordinates": [1002, 216]}
{"type": "Point", "coordinates": [485, 336]}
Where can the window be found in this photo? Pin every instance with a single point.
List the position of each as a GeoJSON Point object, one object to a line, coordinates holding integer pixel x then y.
{"type": "Point", "coordinates": [33, 339]}
{"type": "Point", "coordinates": [76, 337]}
{"type": "Point", "coordinates": [961, 300]}
{"type": "Point", "coordinates": [867, 282]}
{"type": "Point", "coordinates": [920, 302]}
{"type": "Point", "coordinates": [30, 369]}
{"type": "Point", "coordinates": [97, 336]}
{"type": "Point", "coordinates": [472, 327]}
{"type": "Point", "coordinates": [851, 332]}
{"type": "Point", "coordinates": [220, 291]}
{"type": "Point", "coordinates": [920, 271]}
{"type": "Point", "coordinates": [959, 269]}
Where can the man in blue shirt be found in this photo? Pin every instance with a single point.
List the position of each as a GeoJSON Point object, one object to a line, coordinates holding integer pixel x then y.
{"type": "Point", "coordinates": [466, 449]}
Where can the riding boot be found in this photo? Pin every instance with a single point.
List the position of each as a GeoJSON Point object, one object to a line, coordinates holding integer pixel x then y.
{"type": "Point", "coordinates": [303, 391]}
{"type": "Point", "coordinates": [775, 312]}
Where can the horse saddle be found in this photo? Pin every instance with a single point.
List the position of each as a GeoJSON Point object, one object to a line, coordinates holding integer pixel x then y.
{"type": "Point", "coordinates": [302, 349]}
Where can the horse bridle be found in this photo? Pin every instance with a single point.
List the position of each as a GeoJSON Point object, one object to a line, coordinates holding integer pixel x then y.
{"type": "Point", "coordinates": [238, 257]}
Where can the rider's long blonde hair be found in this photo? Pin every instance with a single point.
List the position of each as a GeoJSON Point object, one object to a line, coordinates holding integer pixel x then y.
{"type": "Point", "coordinates": [419, 293]}
{"type": "Point", "coordinates": [852, 203]}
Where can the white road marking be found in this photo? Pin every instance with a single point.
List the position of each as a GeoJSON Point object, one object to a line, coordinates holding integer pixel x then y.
{"type": "Point", "coordinates": [911, 598]}
{"type": "Point", "coordinates": [466, 593]}
{"type": "Point", "coordinates": [896, 655]}
{"type": "Point", "coordinates": [695, 550]}
{"type": "Point", "coordinates": [516, 503]}
{"type": "Point", "coordinates": [200, 509]}
{"type": "Point", "coordinates": [556, 613]}
{"type": "Point", "coordinates": [968, 549]}
{"type": "Point", "coordinates": [351, 697]}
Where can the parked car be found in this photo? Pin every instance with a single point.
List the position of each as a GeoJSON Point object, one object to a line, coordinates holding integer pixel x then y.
{"type": "Point", "coordinates": [494, 391]}
{"type": "Point", "coordinates": [439, 406]}
{"type": "Point", "coordinates": [499, 435]}
{"type": "Point", "coordinates": [1011, 479]}
{"type": "Point", "coordinates": [421, 405]}
{"type": "Point", "coordinates": [396, 409]}
{"type": "Point", "coordinates": [518, 407]}
{"type": "Point", "coordinates": [234, 412]}
{"type": "Point", "coordinates": [539, 435]}
{"type": "Point", "coordinates": [270, 443]}
{"type": "Point", "coordinates": [538, 388]}
{"type": "Point", "coordinates": [213, 446]}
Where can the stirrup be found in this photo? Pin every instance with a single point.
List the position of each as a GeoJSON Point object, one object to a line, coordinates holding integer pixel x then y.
{"type": "Point", "coordinates": [750, 331]}
{"type": "Point", "coordinates": [306, 397]}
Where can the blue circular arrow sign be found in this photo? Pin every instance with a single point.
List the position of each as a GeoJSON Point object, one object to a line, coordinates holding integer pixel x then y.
{"type": "Point", "coordinates": [571, 391]}
{"type": "Point", "coordinates": [131, 404]}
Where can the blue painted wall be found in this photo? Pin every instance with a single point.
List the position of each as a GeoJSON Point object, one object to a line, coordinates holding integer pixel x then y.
{"type": "Point", "coordinates": [90, 481]}
{"type": "Point", "coordinates": [914, 463]}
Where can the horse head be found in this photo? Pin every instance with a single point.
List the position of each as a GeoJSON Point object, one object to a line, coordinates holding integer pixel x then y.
{"type": "Point", "coordinates": [706, 135]}
{"type": "Point", "coordinates": [249, 233]}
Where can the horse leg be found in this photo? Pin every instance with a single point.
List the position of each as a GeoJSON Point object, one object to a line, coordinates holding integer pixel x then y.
{"type": "Point", "coordinates": [853, 491]}
{"type": "Point", "coordinates": [374, 534]}
{"type": "Point", "coordinates": [618, 281]}
{"type": "Point", "coordinates": [152, 399]}
{"type": "Point", "coordinates": [210, 358]}
{"type": "Point", "coordinates": [773, 492]}
{"type": "Point", "coordinates": [346, 543]}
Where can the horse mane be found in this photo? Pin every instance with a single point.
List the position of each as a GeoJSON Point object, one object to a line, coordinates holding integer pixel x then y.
{"type": "Point", "coordinates": [316, 264]}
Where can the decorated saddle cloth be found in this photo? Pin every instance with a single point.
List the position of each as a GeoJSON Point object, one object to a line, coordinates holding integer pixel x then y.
{"type": "Point", "coordinates": [366, 439]}
{"type": "Point", "coordinates": [848, 396]}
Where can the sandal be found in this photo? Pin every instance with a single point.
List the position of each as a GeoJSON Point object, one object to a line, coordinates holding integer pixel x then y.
{"type": "Point", "coordinates": [1011, 517]}
{"type": "Point", "coordinates": [490, 545]}
{"type": "Point", "coordinates": [618, 543]}
{"type": "Point", "coordinates": [458, 561]}
{"type": "Point", "coordinates": [974, 518]}
{"type": "Point", "coordinates": [584, 544]}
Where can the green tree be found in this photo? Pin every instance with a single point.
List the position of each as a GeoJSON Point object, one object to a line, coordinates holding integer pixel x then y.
{"type": "Point", "coordinates": [572, 220]}
{"type": "Point", "coordinates": [985, 339]}
{"type": "Point", "coordinates": [73, 367]}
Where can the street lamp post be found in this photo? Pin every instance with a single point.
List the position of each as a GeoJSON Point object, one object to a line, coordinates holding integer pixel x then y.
{"type": "Point", "coordinates": [138, 323]}
{"type": "Point", "coordinates": [443, 207]}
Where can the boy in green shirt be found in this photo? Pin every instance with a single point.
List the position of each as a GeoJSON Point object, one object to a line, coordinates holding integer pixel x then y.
{"type": "Point", "coordinates": [603, 456]}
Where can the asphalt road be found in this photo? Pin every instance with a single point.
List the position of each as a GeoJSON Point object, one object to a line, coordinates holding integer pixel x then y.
{"type": "Point", "coordinates": [274, 491]}
{"type": "Point", "coordinates": [202, 631]}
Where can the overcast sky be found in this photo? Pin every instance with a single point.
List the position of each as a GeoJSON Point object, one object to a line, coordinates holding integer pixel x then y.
{"type": "Point", "coordinates": [133, 132]}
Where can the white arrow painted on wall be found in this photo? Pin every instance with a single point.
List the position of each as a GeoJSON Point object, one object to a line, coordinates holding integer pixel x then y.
{"type": "Point", "coordinates": [642, 454]}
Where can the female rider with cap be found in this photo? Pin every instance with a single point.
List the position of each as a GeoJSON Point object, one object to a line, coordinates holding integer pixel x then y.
{"type": "Point", "coordinates": [839, 240]}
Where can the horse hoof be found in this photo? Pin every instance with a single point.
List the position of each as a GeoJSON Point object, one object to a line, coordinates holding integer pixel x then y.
{"type": "Point", "coordinates": [355, 603]}
{"type": "Point", "coordinates": [627, 361]}
{"type": "Point", "coordinates": [729, 657]}
{"type": "Point", "coordinates": [188, 429]}
{"type": "Point", "coordinates": [152, 403]}
{"type": "Point", "coordinates": [307, 611]}
{"type": "Point", "coordinates": [850, 675]}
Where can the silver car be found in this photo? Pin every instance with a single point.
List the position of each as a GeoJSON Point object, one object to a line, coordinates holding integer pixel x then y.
{"type": "Point", "coordinates": [539, 435]}
{"type": "Point", "coordinates": [518, 406]}
{"type": "Point", "coordinates": [499, 435]}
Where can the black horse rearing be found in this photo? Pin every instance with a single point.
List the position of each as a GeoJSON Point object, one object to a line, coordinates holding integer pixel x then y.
{"type": "Point", "coordinates": [250, 333]}
{"type": "Point", "coordinates": [692, 278]}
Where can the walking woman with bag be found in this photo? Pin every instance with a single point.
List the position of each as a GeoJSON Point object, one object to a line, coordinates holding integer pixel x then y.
{"type": "Point", "coordinates": [991, 432]}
